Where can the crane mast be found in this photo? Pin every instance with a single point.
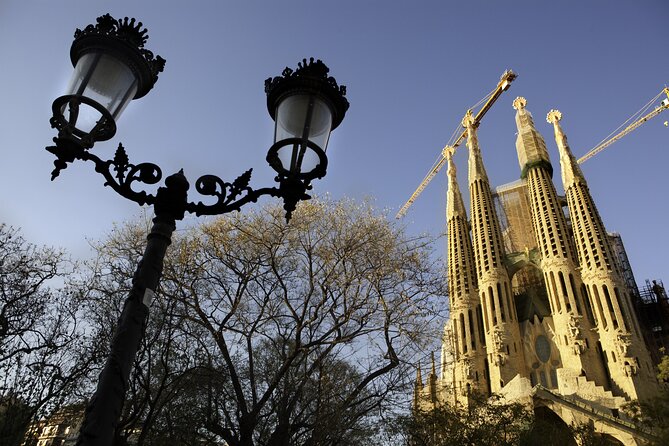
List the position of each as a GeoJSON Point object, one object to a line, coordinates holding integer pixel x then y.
{"type": "Point", "coordinates": [603, 145]}
{"type": "Point", "coordinates": [504, 83]}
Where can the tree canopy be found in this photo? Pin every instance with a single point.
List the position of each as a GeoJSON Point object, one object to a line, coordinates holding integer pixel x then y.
{"type": "Point", "coordinates": [44, 357]}
{"type": "Point", "coordinates": [487, 421]}
{"type": "Point", "coordinates": [264, 332]}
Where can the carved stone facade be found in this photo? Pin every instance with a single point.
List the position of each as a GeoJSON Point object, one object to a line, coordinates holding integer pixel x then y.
{"type": "Point", "coordinates": [550, 323]}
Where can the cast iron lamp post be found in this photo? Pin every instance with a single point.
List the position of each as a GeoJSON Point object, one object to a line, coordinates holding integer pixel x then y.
{"type": "Point", "coordinates": [112, 67]}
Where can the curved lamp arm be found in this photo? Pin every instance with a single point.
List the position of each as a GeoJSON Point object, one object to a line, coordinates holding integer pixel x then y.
{"type": "Point", "coordinates": [227, 194]}
{"type": "Point", "coordinates": [126, 174]}
{"type": "Point", "coordinates": [120, 175]}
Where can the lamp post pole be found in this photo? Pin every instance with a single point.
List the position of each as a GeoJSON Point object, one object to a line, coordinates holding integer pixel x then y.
{"type": "Point", "coordinates": [112, 67]}
{"type": "Point", "coordinates": [104, 410]}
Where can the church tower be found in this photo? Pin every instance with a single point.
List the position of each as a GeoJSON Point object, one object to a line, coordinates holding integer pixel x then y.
{"type": "Point", "coordinates": [540, 313]}
{"type": "Point", "coordinates": [572, 317]}
{"type": "Point", "coordinates": [624, 354]}
{"type": "Point", "coordinates": [503, 345]}
{"type": "Point", "coordinates": [466, 316]}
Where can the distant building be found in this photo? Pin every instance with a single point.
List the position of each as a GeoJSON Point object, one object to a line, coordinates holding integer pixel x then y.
{"type": "Point", "coordinates": [60, 429]}
{"type": "Point", "coordinates": [542, 300]}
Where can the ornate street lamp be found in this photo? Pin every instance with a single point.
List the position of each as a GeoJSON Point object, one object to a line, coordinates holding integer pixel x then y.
{"type": "Point", "coordinates": [112, 67]}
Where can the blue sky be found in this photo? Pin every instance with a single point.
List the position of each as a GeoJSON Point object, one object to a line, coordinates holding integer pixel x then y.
{"type": "Point", "coordinates": [412, 69]}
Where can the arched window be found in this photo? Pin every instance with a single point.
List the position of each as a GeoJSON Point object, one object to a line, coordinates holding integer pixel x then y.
{"type": "Point", "coordinates": [501, 300]}
{"type": "Point", "coordinates": [472, 335]}
{"type": "Point", "coordinates": [555, 293]}
{"type": "Point", "coordinates": [603, 318]}
{"type": "Point", "coordinates": [588, 305]}
{"type": "Point", "coordinates": [621, 304]}
{"type": "Point", "coordinates": [492, 306]}
{"type": "Point", "coordinates": [609, 305]}
{"type": "Point", "coordinates": [479, 316]}
{"type": "Point", "coordinates": [565, 294]}
{"type": "Point", "coordinates": [485, 312]}
{"type": "Point", "coordinates": [508, 301]}
{"type": "Point", "coordinates": [463, 332]}
{"type": "Point", "coordinates": [574, 292]}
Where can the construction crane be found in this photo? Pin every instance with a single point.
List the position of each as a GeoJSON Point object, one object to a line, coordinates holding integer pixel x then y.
{"type": "Point", "coordinates": [607, 142]}
{"type": "Point", "coordinates": [504, 83]}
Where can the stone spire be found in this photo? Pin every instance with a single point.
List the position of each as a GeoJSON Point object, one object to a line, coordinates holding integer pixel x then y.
{"type": "Point", "coordinates": [418, 390]}
{"type": "Point", "coordinates": [466, 320]}
{"type": "Point", "coordinates": [550, 223]}
{"type": "Point", "coordinates": [594, 250]}
{"type": "Point", "coordinates": [454, 204]}
{"type": "Point", "coordinates": [461, 269]}
{"type": "Point", "coordinates": [476, 168]}
{"type": "Point", "coordinates": [503, 344]}
{"type": "Point", "coordinates": [571, 171]}
{"type": "Point", "coordinates": [488, 244]}
{"type": "Point", "coordinates": [432, 382]}
{"type": "Point", "coordinates": [558, 259]}
{"type": "Point", "coordinates": [627, 360]}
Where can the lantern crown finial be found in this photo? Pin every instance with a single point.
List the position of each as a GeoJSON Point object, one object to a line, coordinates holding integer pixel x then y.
{"type": "Point", "coordinates": [124, 38]}
{"type": "Point", "coordinates": [124, 29]}
{"type": "Point", "coordinates": [311, 68]}
{"type": "Point", "coordinates": [310, 77]}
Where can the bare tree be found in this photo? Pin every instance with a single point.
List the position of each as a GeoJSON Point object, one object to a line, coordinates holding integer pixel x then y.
{"type": "Point", "coordinates": [308, 327]}
{"type": "Point", "coordinates": [265, 333]}
{"type": "Point", "coordinates": [25, 271]}
{"type": "Point", "coordinates": [43, 353]}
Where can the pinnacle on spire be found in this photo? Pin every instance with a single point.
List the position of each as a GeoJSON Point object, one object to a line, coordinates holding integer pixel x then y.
{"type": "Point", "coordinates": [554, 116]}
{"type": "Point", "coordinates": [418, 389]}
{"type": "Point", "coordinates": [530, 145]}
{"type": "Point", "coordinates": [432, 381]}
{"type": "Point", "coordinates": [454, 204]}
{"type": "Point", "coordinates": [448, 152]}
{"type": "Point", "coordinates": [419, 378]}
{"type": "Point", "coordinates": [476, 168]}
{"type": "Point", "coordinates": [571, 172]}
{"type": "Point", "coordinates": [519, 103]}
{"type": "Point", "coordinates": [468, 119]}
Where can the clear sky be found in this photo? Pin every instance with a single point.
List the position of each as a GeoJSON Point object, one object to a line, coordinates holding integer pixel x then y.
{"type": "Point", "coordinates": [412, 69]}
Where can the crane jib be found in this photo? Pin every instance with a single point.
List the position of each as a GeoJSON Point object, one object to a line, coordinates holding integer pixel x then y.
{"type": "Point", "coordinates": [637, 123]}
{"type": "Point", "coordinates": [503, 85]}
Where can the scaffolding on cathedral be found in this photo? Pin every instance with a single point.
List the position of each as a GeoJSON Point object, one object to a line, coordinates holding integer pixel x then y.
{"type": "Point", "coordinates": [623, 262]}
{"type": "Point", "coordinates": [652, 307]}
{"type": "Point", "coordinates": [513, 208]}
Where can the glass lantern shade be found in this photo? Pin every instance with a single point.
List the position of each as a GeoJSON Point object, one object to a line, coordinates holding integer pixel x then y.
{"type": "Point", "coordinates": [107, 81]}
{"type": "Point", "coordinates": [306, 117]}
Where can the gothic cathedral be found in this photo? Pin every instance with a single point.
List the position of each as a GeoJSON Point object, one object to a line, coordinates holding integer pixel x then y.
{"type": "Point", "coordinates": [539, 309]}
